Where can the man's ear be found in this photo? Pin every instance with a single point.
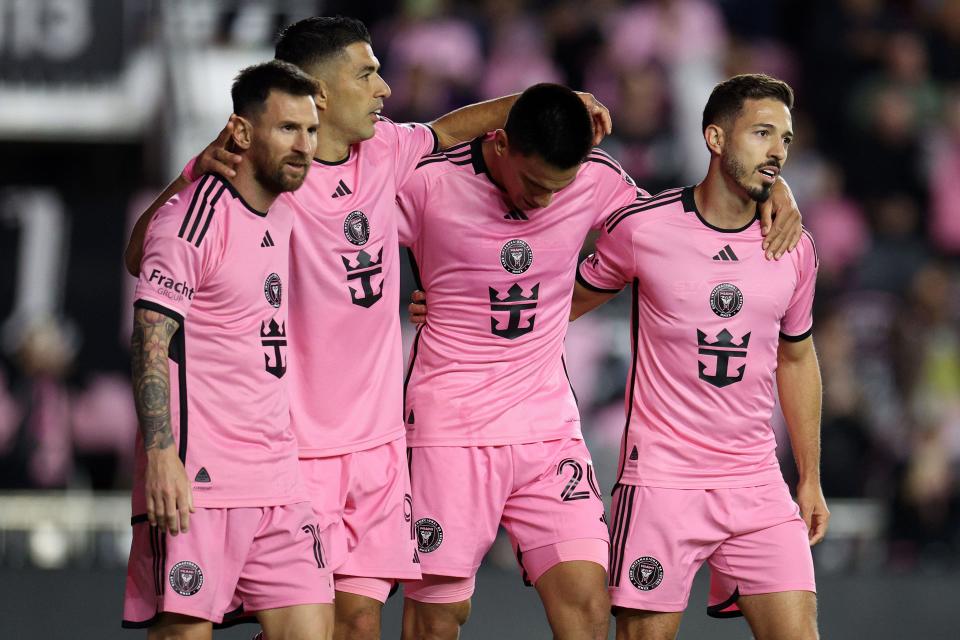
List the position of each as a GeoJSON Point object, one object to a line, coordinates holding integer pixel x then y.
{"type": "Point", "coordinates": [713, 135]}
{"type": "Point", "coordinates": [322, 97]}
{"type": "Point", "coordinates": [501, 143]}
{"type": "Point", "coordinates": [242, 136]}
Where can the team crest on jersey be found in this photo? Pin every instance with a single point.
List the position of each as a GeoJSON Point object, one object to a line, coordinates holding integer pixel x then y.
{"type": "Point", "coordinates": [516, 256]}
{"type": "Point", "coordinates": [429, 534]}
{"type": "Point", "coordinates": [646, 573]}
{"type": "Point", "coordinates": [273, 290]}
{"type": "Point", "coordinates": [726, 300]}
{"type": "Point", "coordinates": [356, 228]}
{"type": "Point", "coordinates": [186, 578]}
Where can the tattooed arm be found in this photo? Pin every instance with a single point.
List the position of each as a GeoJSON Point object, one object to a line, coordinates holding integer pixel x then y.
{"type": "Point", "coordinates": [167, 490]}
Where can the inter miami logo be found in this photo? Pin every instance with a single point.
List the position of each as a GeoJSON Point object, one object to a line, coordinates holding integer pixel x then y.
{"type": "Point", "coordinates": [274, 337]}
{"type": "Point", "coordinates": [356, 228]}
{"type": "Point", "coordinates": [515, 303]}
{"type": "Point", "coordinates": [364, 270]}
{"type": "Point", "coordinates": [429, 534]}
{"type": "Point", "coordinates": [723, 349]}
{"type": "Point", "coordinates": [516, 256]}
{"type": "Point", "coordinates": [726, 300]}
{"type": "Point", "coordinates": [186, 578]}
{"type": "Point", "coordinates": [273, 290]}
{"type": "Point", "coordinates": [646, 573]}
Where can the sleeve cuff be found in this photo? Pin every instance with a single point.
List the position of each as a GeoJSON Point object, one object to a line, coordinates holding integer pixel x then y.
{"type": "Point", "coordinates": [592, 287]}
{"type": "Point", "coordinates": [803, 336]}
{"type": "Point", "coordinates": [142, 303]}
{"type": "Point", "coordinates": [436, 138]}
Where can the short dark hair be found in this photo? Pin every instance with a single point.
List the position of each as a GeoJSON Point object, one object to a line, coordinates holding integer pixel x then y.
{"type": "Point", "coordinates": [253, 85]}
{"type": "Point", "coordinates": [313, 40]}
{"type": "Point", "coordinates": [551, 121]}
{"type": "Point", "coordinates": [728, 97]}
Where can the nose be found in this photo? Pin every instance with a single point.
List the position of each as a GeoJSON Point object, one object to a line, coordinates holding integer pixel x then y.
{"type": "Point", "coordinates": [779, 151]}
{"type": "Point", "coordinates": [383, 90]}
{"type": "Point", "coordinates": [304, 142]}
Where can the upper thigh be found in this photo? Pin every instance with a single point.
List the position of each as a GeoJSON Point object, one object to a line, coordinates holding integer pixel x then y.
{"type": "Point", "coordinates": [633, 624]}
{"type": "Point", "coordinates": [299, 621]}
{"type": "Point", "coordinates": [786, 614]}
{"type": "Point", "coordinates": [175, 626]}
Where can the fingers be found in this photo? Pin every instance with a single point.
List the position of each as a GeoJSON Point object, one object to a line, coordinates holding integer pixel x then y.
{"type": "Point", "coordinates": [819, 530]}
{"type": "Point", "coordinates": [151, 511]}
{"type": "Point", "coordinates": [216, 158]}
{"type": "Point", "coordinates": [418, 313]}
{"type": "Point", "coordinates": [785, 232]}
{"type": "Point", "coordinates": [186, 506]}
{"type": "Point", "coordinates": [170, 517]}
{"type": "Point", "coordinates": [225, 134]}
{"type": "Point", "coordinates": [418, 296]}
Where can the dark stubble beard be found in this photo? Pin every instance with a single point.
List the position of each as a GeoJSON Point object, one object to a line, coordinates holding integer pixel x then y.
{"type": "Point", "coordinates": [274, 180]}
{"type": "Point", "coordinates": [735, 169]}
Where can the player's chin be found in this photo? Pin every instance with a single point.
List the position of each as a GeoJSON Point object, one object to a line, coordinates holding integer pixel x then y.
{"type": "Point", "coordinates": [292, 180]}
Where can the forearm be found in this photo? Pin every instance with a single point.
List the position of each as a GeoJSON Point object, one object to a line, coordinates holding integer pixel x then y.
{"type": "Point", "coordinates": [150, 346]}
{"type": "Point", "coordinates": [473, 120]}
{"type": "Point", "coordinates": [799, 385]}
{"type": "Point", "coordinates": [134, 253]}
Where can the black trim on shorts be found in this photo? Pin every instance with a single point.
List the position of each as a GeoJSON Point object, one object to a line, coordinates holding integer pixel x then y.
{"type": "Point", "coordinates": [144, 624]}
{"type": "Point", "coordinates": [620, 532]}
{"type": "Point", "coordinates": [235, 617]}
{"type": "Point", "coordinates": [717, 610]}
{"type": "Point", "coordinates": [523, 570]}
{"type": "Point", "coordinates": [413, 359]}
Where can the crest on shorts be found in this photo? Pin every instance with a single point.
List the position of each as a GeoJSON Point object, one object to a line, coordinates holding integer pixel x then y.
{"type": "Point", "coordinates": [356, 228]}
{"type": "Point", "coordinates": [516, 256]}
{"type": "Point", "coordinates": [186, 578]}
{"type": "Point", "coordinates": [273, 290]}
{"type": "Point", "coordinates": [726, 300]}
{"type": "Point", "coordinates": [646, 573]}
{"type": "Point", "coordinates": [429, 534]}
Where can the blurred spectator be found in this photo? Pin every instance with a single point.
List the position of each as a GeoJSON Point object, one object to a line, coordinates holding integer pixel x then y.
{"type": "Point", "coordinates": [897, 251]}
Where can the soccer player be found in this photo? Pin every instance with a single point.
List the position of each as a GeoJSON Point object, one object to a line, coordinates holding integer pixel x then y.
{"type": "Point", "coordinates": [714, 325]}
{"type": "Point", "coordinates": [221, 519]}
{"type": "Point", "coordinates": [346, 390]}
{"type": "Point", "coordinates": [495, 228]}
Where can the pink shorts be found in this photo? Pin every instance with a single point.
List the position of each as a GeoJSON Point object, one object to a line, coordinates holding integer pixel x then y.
{"type": "Point", "coordinates": [543, 493]}
{"type": "Point", "coordinates": [363, 499]}
{"type": "Point", "coordinates": [232, 562]}
{"type": "Point", "coordinates": [753, 538]}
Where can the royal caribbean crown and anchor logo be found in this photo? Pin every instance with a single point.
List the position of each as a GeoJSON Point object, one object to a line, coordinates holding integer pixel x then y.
{"type": "Point", "coordinates": [726, 300]}
{"type": "Point", "coordinates": [516, 256]}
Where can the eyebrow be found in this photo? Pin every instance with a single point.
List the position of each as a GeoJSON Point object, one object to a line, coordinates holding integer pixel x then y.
{"type": "Point", "coordinates": [765, 125]}
{"type": "Point", "coordinates": [369, 68]}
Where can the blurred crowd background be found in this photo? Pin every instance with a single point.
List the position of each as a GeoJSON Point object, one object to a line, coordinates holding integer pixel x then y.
{"type": "Point", "coordinates": [103, 101]}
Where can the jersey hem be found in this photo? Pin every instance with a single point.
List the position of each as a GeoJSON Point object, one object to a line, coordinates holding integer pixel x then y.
{"type": "Point", "coordinates": [316, 452]}
{"type": "Point", "coordinates": [246, 503]}
{"type": "Point", "coordinates": [574, 434]}
{"type": "Point", "coordinates": [756, 480]}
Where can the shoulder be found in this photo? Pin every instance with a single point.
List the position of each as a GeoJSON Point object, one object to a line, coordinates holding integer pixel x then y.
{"type": "Point", "coordinates": [646, 209]}
{"type": "Point", "coordinates": [807, 249]}
{"type": "Point", "coordinates": [453, 160]}
{"type": "Point", "coordinates": [388, 132]}
{"type": "Point", "coordinates": [191, 214]}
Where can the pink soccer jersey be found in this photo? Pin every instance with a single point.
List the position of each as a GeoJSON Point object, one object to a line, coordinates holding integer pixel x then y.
{"type": "Point", "coordinates": [488, 367]}
{"type": "Point", "coordinates": [219, 267]}
{"type": "Point", "coordinates": [346, 392]}
{"type": "Point", "coordinates": [709, 312]}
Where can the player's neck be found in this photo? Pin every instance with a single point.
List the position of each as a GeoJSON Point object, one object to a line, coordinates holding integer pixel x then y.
{"type": "Point", "coordinates": [331, 148]}
{"type": "Point", "coordinates": [722, 203]}
{"type": "Point", "coordinates": [490, 160]}
{"type": "Point", "coordinates": [250, 189]}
